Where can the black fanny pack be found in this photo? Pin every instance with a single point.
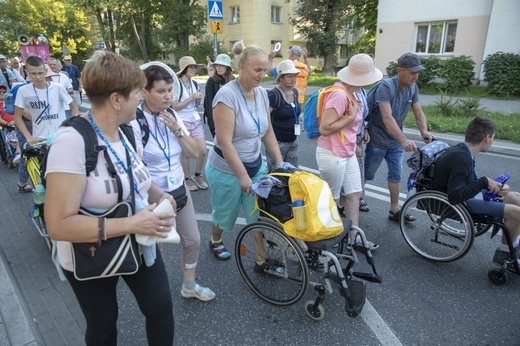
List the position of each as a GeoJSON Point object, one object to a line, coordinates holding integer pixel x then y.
{"type": "Point", "coordinates": [179, 194]}
{"type": "Point", "coordinates": [251, 167]}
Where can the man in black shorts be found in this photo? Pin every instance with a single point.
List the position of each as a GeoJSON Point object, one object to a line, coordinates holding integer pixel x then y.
{"type": "Point", "coordinates": [455, 174]}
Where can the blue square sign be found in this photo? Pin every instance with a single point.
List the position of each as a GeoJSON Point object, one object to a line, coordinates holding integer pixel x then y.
{"type": "Point", "coordinates": [215, 10]}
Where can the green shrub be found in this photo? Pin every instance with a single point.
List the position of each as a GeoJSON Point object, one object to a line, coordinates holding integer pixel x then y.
{"type": "Point", "coordinates": [457, 73]}
{"type": "Point", "coordinates": [502, 72]}
{"type": "Point", "coordinates": [428, 75]}
{"type": "Point", "coordinates": [391, 70]}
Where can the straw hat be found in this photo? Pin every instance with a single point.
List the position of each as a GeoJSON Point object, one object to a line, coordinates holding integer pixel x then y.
{"type": "Point", "coordinates": [223, 60]}
{"type": "Point", "coordinates": [286, 67]}
{"type": "Point", "coordinates": [361, 70]}
{"type": "Point", "coordinates": [186, 61]}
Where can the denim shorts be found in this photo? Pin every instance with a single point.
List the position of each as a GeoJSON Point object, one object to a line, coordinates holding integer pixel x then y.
{"type": "Point", "coordinates": [394, 160]}
{"type": "Point", "coordinates": [479, 206]}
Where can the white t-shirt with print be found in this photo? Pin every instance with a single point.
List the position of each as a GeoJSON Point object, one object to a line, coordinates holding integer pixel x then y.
{"type": "Point", "coordinates": [66, 155]}
{"type": "Point", "coordinates": [161, 144]}
{"type": "Point", "coordinates": [45, 107]}
{"type": "Point", "coordinates": [64, 81]}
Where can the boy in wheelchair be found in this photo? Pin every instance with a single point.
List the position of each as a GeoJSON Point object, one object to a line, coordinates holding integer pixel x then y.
{"type": "Point", "coordinates": [455, 174]}
{"type": "Point", "coordinates": [7, 122]}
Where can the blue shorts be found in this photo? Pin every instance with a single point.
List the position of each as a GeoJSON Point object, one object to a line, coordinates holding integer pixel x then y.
{"type": "Point", "coordinates": [394, 160]}
{"type": "Point", "coordinates": [227, 199]}
{"type": "Point", "coordinates": [479, 206]}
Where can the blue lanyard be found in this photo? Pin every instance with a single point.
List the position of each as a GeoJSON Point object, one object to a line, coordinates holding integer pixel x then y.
{"type": "Point", "coordinates": [399, 112]}
{"type": "Point", "coordinates": [257, 121]}
{"type": "Point", "coordinates": [473, 175]}
{"type": "Point", "coordinates": [126, 168]}
{"type": "Point", "coordinates": [167, 157]}
{"type": "Point", "coordinates": [47, 106]}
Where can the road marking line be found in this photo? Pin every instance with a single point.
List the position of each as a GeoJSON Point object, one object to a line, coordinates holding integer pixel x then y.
{"type": "Point", "coordinates": [378, 326]}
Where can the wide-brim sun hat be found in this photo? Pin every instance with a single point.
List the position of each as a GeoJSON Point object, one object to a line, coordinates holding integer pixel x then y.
{"type": "Point", "coordinates": [49, 72]}
{"type": "Point", "coordinates": [223, 60]}
{"type": "Point", "coordinates": [176, 84]}
{"type": "Point", "coordinates": [286, 67]}
{"type": "Point", "coordinates": [361, 71]}
{"type": "Point", "coordinates": [186, 61]}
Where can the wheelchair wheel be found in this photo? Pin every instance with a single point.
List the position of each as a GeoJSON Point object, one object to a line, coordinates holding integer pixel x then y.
{"type": "Point", "coordinates": [497, 276]}
{"type": "Point", "coordinates": [481, 228]}
{"type": "Point", "coordinates": [317, 315]}
{"type": "Point", "coordinates": [285, 280]}
{"type": "Point", "coordinates": [442, 232]}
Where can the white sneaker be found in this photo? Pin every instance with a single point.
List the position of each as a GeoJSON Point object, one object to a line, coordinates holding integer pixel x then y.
{"type": "Point", "coordinates": [201, 293]}
{"type": "Point", "coordinates": [371, 246]}
{"type": "Point", "coordinates": [191, 184]}
{"type": "Point", "coordinates": [16, 158]}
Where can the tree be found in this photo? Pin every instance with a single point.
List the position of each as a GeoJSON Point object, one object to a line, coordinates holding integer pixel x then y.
{"type": "Point", "coordinates": [63, 25]}
{"type": "Point", "coordinates": [323, 22]}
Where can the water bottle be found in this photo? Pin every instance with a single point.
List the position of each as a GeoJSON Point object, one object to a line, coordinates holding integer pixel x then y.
{"type": "Point", "coordinates": [298, 209]}
{"type": "Point", "coordinates": [39, 194]}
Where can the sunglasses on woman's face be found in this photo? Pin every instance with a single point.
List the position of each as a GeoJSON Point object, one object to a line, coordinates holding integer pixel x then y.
{"type": "Point", "coordinates": [3, 91]}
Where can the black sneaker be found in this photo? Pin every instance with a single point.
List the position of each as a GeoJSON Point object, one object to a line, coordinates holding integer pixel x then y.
{"type": "Point", "coordinates": [501, 256]}
{"type": "Point", "coordinates": [270, 267]}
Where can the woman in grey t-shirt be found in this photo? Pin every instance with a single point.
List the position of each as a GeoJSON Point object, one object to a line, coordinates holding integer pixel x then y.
{"type": "Point", "coordinates": [241, 115]}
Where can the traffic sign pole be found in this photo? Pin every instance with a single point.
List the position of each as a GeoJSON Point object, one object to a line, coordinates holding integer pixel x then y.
{"type": "Point", "coordinates": [215, 11]}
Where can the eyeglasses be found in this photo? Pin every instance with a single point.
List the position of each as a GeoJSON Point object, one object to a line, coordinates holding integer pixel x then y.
{"type": "Point", "coordinates": [3, 91]}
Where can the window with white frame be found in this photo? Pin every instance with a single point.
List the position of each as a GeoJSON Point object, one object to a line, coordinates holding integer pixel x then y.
{"type": "Point", "coordinates": [235, 14]}
{"type": "Point", "coordinates": [436, 37]}
{"type": "Point", "coordinates": [275, 14]}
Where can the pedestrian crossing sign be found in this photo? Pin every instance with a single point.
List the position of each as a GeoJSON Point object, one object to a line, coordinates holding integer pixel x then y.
{"type": "Point", "coordinates": [215, 10]}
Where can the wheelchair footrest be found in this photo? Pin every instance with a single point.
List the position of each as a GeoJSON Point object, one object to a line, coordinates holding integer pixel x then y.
{"type": "Point", "coordinates": [354, 304]}
{"type": "Point", "coordinates": [370, 277]}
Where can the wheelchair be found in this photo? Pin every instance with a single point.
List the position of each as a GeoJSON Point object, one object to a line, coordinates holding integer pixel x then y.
{"type": "Point", "coordinates": [293, 265]}
{"type": "Point", "coordinates": [443, 232]}
{"type": "Point", "coordinates": [7, 149]}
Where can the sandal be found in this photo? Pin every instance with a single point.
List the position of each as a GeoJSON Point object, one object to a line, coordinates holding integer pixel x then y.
{"type": "Point", "coordinates": [394, 216]}
{"type": "Point", "coordinates": [363, 206]}
{"type": "Point", "coordinates": [26, 188]}
{"type": "Point", "coordinates": [219, 250]}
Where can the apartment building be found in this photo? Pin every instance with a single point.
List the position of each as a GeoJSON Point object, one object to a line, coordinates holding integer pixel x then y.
{"type": "Point", "coordinates": [264, 23]}
{"type": "Point", "coordinates": [446, 28]}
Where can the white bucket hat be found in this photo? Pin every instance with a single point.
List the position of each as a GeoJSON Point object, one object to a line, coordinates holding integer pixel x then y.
{"type": "Point", "coordinates": [186, 61]}
{"type": "Point", "coordinates": [286, 67]}
{"type": "Point", "coordinates": [223, 60]}
{"type": "Point", "coordinates": [361, 71]}
{"type": "Point", "coordinates": [176, 85]}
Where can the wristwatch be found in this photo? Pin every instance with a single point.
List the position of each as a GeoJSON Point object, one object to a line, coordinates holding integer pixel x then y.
{"type": "Point", "coordinates": [179, 132]}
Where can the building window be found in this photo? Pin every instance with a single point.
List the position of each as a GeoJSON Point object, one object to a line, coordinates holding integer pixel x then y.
{"type": "Point", "coordinates": [279, 52]}
{"type": "Point", "coordinates": [235, 14]}
{"type": "Point", "coordinates": [343, 51]}
{"type": "Point", "coordinates": [436, 38]}
{"type": "Point", "coordinates": [275, 14]}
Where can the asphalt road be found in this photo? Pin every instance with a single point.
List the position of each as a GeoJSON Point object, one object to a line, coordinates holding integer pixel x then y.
{"type": "Point", "coordinates": [418, 303]}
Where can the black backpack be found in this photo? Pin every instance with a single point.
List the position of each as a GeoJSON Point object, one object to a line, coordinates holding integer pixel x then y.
{"type": "Point", "coordinates": [143, 124]}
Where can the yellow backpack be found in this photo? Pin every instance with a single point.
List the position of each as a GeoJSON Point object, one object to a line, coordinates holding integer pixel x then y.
{"type": "Point", "coordinates": [321, 214]}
